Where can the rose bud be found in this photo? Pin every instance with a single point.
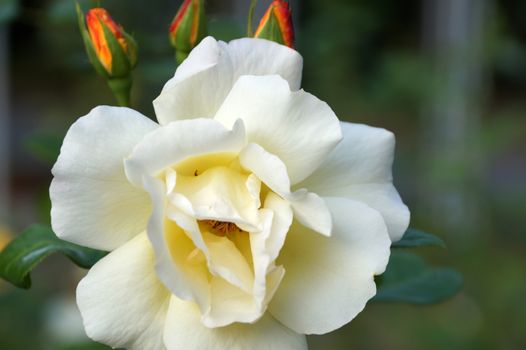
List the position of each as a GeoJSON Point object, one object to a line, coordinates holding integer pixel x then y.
{"type": "Point", "coordinates": [111, 51]}
{"type": "Point", "coordinates": [276, 24]}
{"type": "Point", "coordinates": [188, 28]}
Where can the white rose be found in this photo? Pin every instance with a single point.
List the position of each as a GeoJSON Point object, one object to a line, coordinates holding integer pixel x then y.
{"type": "Point", "coordinates": [247, 218]}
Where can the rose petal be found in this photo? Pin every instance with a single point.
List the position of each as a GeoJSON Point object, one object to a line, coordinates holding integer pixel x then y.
{"type": "Point", "coordinates": [221, 193]}
{"type": "Point", "coordinates": [205, 78]}
{"type": "Point", "coordinates": [328, 281]}
{"type": "Point", "coordinates": [232, 303]}
{"type": "Point", "coordinates": [178, 259]}
{"type": "Point", "coordinates": [385, 199]}
{"type": "Point", "coordinates": [183, 330]}
{"type": "Point", "coordinates": [267, 167]}
{"type": "Point", "coordinates": [93, 204]}
{"type": "Point", "coordinates": [309, 209]}
{"type": "Point", "coordinates": [294, 126]}
{"type": "Point", "coordinates": [177, 141]}
{"type": "Point", "coordinates": [265, 57]}
{"type": "Point", "coordinates": [359, 168]}
{"type": "Point", "coordinates": [199, 85]}
{"type": "Point", "coordinates": [281, 221]}
{"type": "Point", "coordinates": [121, 301]}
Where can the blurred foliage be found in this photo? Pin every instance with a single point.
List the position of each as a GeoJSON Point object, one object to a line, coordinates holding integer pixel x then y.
{"type": "Point", "coordinates": [8, 10]}
{"type": "Point", "coordinates": [417, 238]}
{"type": "Point", "coordinates": [365, 58]}
{"type": "Point", "coordinates": [44, 147]}
{"type": "Point", "coordinates": [408, 278]}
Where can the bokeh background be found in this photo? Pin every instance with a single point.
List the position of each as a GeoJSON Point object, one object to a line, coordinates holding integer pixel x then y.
{"type": "Point", "coordinates": [448, 77]}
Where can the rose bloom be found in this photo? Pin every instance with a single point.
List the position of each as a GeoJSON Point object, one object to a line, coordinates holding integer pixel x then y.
{"type": "Point", "coordinates": [246, 218]}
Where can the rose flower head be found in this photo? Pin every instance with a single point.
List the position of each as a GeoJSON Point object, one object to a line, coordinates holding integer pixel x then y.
{"type": "Point", "coordinates": [246, 217]}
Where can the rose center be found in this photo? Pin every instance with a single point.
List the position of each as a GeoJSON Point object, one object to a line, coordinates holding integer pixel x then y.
{"type": "Point", "coordinates": [220, 228]}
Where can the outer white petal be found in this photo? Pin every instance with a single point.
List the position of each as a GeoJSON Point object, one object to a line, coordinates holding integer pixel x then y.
{"type": "Point", "coordinates": [199, 85]}
{"type": "Point", "coordinates": [328, 281]}
{"type": "Point", "coordinates": [93, 204]}
{"type": "Point", "coordinates": [309, 208]}
{"type": "Point", "coordinates": [205, 78]}
{"type": "Point", "coordinates": [295, 126]}
{"type": "Point", "coordinates": [121, 301]}
{"type": "Point", "coordinates": [360, 168]}
{"type": "Point", "coordinates": [179, 140]}
{"type": "Point", "coordinates": [265, 57]}
{"type": "Point", "coordinates": [183, 331]}
{"type": "Point", "coordinates": [385, 199]}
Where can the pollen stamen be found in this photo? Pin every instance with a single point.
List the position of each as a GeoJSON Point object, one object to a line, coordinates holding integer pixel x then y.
{"type": "Point", "coordinates": [221, 228]}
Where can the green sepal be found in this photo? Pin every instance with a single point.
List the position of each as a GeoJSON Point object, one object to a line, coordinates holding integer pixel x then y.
{"type": "Point", "coordinates": [120, 63]}
{"type": "Point", "coordinates": [181, 40]}
{"type": "Point", "coordinates": [201, 27]}
{"type": "Point", "coordinates": [409, 279]}
{"type": "Point", "coordinates": [272, 31]}
{"type": "Point", "coordinates": [416, 238]}
{"type": "Point", "coordinates": [90, 50]}
{"type": "Point", "coordinates": [132, 49]}
{"type": "Point", "coordinates": [32, 246]}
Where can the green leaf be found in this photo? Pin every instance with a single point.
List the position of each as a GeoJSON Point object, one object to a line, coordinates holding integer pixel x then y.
{"type": "Point", "coordinates": [44, 147]}
{"type": "Point", "coordinates": [410, 279]}
{"type": "Point", "coordinates": [417, 238]}
{"type": "Point", "coordinates": [37, 242]}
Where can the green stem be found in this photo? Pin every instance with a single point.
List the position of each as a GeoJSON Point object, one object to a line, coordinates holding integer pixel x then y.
{"type": "Point", "coordinates": [250, 27]}
{"type": "Point", "coordinates": [121, 88]}
{"type": "Point", "coordinates": [180, 56]}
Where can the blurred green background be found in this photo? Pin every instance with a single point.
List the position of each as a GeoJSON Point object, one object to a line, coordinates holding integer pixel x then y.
{"type": "Point", "coordinates": [448, 77]}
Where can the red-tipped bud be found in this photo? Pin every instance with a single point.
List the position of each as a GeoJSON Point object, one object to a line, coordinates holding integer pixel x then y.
{"type": "Point", "coordinates": [276, 24]}
{"type": "Point", "coordinates": [96, 19]}
{"type": "Point", "coordinates": [111, 50]}
{"type": "Point", "coordinates": [188, 27]}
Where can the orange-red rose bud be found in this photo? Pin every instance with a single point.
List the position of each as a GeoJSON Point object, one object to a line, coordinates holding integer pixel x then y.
{"type": "Point", "coordinates": [188, 27]}
{"type": "Point", "coordinates": [95, 19]}
{"type": "Point", "coordinates": [111, 51]}
{"type": "Point", "coordinates": [276, 24]}
{"type": "Point", "coordinates": [100, 27]}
